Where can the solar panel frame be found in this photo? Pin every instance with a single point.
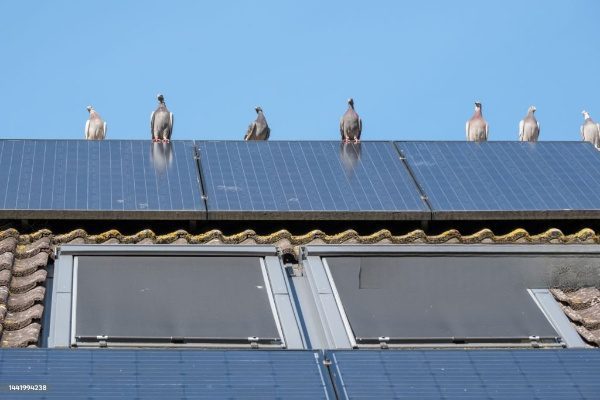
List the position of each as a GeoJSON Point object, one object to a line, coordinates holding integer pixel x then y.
{"type": "Point", "coordinates": [303, 180]}
{"type": "Point", "coordinates": [512, 180]}
{"type": "Point", "coordinates": [79, 179]}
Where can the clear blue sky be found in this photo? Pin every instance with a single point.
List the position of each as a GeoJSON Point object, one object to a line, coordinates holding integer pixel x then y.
{"type": "Point", "coordinates": [414, 68]}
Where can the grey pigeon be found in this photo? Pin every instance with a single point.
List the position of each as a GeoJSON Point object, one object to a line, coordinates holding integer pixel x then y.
{"type": "Point", "coordinates": [161, 122]}
{"type": "Point", "coordinates": [258, 129]}
{"type": "Point", "coordinates": [590, 131]}
{"type": "Point", "coordinates": [529, 127]}
{"type": "Point", "coordinates": [350, 124]}
{"type": "Point", "coordinates": [477, 128]}
{"type": "Point", "coordinates": [95, 128]}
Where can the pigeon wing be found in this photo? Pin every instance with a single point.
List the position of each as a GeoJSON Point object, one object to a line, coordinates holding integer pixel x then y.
{"type": "Point", "coordinates": [104, 130]}
{"type": "Point", "coordinates": [87, 129]}
{"type": "Point", "coordinates": [171, 120]}
{"type": "Point", "coordinates": [521, 126]}
{"type": "Point", "coordinates": [342, 127]}
{"type": "Point", "coordinates": [359, 128]}
{"type": "Point", "coordinates": [152, 124]}
{"type": "Point", "coordinates": [467, 128]}
{"type": "Point", "coordinates": [486, 130]}
{"type": "Point", "coordinates": [251, 131]}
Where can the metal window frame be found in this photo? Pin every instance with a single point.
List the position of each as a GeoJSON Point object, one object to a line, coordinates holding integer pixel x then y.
{"type": "Point", "coordinates": [336, 327]}
{"type": "Point", "coordinates": [64, 293]}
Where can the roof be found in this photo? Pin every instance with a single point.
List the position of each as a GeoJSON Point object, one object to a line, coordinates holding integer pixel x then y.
{"type": "Point", "coordinates": [24, 257]}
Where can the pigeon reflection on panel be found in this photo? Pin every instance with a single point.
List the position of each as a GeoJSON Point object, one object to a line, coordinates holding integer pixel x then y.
{"type": "Point", "coordinates": [350, 124]}
{"type": "Point", "coordinates": [161, 122]}
{"type": "Point", "coordinates": [258, 129]}
{"type": "Point", "coordinates": [590, 130]}
{"type": "Point", "coordinates": [477, 128]}
{"type": "Point", "coordinates": [529, 127]}
{"type": "Point", "coordinates": [162, 156]}
{"type": "Point", "coordinates": [95, 128]}
{"type": "Point", "coordinates": [349, 156]}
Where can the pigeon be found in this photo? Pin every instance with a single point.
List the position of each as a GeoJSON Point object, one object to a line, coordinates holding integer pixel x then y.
{"type": "Point", "coordinates": [161, 122]}
{"type": "Point", "coordinates": [350, 124]}
{"type": "Point", "coordinates": [590, 131]}
{"type": "Point", "coordinates": [258, 129]}
{"type": "Point", "coordinates": [95, 128]}
{"type": "Point", "coordinates": [529, 127]}
{"type": "Point", "coordinates": [477, 128]}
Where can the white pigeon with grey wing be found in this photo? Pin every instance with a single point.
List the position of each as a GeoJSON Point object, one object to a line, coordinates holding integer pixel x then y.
{"type": "Point", "coordinates": [590, 130]}
{"type": "Point", "coordinates": [161, 122]}
{"type": "Point", "coordinates": [258, 129]}
{"type": "Point", "coordinates": [350, 124]}
{"type": "Point", "coordinates": [477, 127]}
{"type": "Point", "coordinates": [529, 127]}
{"type": "Point", "coordinates": [95, 127]}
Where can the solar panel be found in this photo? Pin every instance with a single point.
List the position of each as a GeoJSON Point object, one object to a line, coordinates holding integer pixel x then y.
{"type": "Point", "coordinates": [304, 179]}
{"type": "Point", "coordinates": [507, 179]}
{"type": "Point", "coordinates": [87, 179]}
{"type": "Point", "coordinates": [163, 374]}
{"type": "Point", "coordinates": [471, 374]}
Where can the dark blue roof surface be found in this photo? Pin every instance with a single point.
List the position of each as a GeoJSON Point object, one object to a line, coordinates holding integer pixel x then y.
{"type": "Point", "coordinates": [163, 374]}
{"type": "Point", "coordinates": [471, 374]}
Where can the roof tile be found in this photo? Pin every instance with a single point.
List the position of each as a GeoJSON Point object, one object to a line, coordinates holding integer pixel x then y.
{"type": "Point", "coordinates": [6, 260]}
{"type": "Point", "coordinates": [20, 284]}
{"type": "Point", "coordinates": [21, 337]}
{"type": "Point", "coordinates": [20, 319]}
{"type": "Point", "coordinates": [22, 301]}
{"type": "Point", "coordinates": [26, 266]}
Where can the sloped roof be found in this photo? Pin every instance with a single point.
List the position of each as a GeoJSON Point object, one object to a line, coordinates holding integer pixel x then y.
{"type": "Point", "coordinates": [24, 257]}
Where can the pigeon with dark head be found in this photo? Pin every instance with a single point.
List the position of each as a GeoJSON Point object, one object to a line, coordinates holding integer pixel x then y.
{"type": "Point", "coordinates": [590, 130]}
{"type": "Point", "coordinates": [350, 124]}
{"type": "Point", "coordinates": [161, 122]}
{"type": "Point", "coordinates": [258, 129]}
{"type": "Point", "coordinates": [477, 127]}
{"type": "Point", "coordinates": [95, 128]}
{"type": "Point", "coordinates": [529, 127]}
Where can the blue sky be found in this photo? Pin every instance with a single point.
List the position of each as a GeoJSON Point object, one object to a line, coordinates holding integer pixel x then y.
{"type": "Point", "coordinates": [414, 68]}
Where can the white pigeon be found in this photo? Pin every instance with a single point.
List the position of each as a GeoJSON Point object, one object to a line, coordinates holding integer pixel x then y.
{"type": "Point", "coordinates": [590, 131]}
{"type": "Point", "coordinates": [95, 128]}
{"type": "Point", "coordinates": [477, 128]}
{"type": "Point", "coordinates": [529, 127]}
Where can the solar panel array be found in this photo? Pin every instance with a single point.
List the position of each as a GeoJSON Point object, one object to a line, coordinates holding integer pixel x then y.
{"type": "Point", "coordinates": [132, 179]}
{"type": "Point", "coordinates": [307, 178]}
{"type": "Point", "coordinates": [162, 374]}
{"type": "Point", "coordinates": [474, 374]}
{"type": "Point", "coordinates": [503, 179]}
{"type": "Point", "coordinates": [260, 374]}
{"type": "Point", "coordinates": [99, 176]}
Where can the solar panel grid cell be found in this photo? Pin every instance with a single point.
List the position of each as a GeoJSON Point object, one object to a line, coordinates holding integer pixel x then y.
{"type": "Point", "coordinates": [473, 374]}
{"type": "Point", "coordinates": [80, 178]}
{"type": "Point", "coordinates": [307, 179]}
{"type": "Point", "coordinates": [507, 179]}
